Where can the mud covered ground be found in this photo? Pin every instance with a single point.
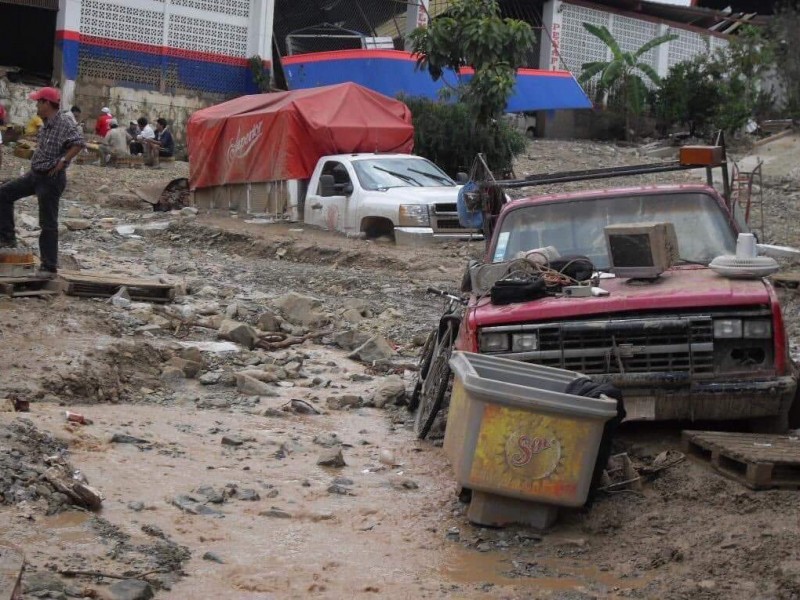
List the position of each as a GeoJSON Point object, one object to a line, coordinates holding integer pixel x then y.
{"type": "Point", "coordinates": [211, 492]}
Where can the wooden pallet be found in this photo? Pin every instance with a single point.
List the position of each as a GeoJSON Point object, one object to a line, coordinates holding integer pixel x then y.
{"type": "Point", "coordinates": [102, 285]}
{"type": "Point", "coordinates": [20, 287]}
{"type": "Point", "coordinates": [758, 461]}
{"type": "Point", "coordinates": [12, 564]}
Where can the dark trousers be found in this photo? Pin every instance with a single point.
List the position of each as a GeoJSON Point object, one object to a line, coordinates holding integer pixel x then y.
{"type": "Point", "coordinates": [48, 190]}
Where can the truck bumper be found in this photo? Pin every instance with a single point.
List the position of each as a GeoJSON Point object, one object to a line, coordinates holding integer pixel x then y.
{"type": "Point", "coordinates": [710, 401]}
{"type": "Point", "coordinates": [411, 236]}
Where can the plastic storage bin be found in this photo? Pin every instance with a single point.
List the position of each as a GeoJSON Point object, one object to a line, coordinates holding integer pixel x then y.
{"type": "Point", "coordinates": [512, 431]}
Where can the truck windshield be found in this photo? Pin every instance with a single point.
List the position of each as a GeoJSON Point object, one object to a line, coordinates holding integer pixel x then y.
{"type": "Point", "coordinates": [576, 227]}
{"type": "Point", "coordinates": [383, 173]}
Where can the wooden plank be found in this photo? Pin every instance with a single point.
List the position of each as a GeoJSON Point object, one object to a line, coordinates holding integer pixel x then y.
{"type": "Point", "coordinates": [12, 564]}
{"type": "Point", "coordinates": [111, 279]}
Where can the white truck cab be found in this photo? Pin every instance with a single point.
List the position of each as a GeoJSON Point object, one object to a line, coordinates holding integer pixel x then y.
{"type": "Point", "coordinates": [398, 195]}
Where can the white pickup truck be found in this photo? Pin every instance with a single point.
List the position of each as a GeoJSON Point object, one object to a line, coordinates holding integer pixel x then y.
{"type": "Point", "coordinates": [402, 196]}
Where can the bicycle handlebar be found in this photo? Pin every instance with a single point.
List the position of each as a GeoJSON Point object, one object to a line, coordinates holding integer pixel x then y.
{"type": "Point", "coordinates": [444, 294]}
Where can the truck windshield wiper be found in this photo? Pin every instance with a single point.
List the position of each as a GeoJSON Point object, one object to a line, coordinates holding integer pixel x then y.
{"type": "Point", "coordinates": [403, 176]}
{"type": "Point", "coordinates": [434, 176]}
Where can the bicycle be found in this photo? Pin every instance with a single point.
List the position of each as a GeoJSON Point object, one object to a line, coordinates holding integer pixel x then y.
{"type": "Point", "coordinates": [433, 376]}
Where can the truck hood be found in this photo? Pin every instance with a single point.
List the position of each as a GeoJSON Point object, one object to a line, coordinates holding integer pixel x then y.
{"type": "Point", "coordinates": [418, 195]}
{"type": "Point", "coordinates": [678, 288]}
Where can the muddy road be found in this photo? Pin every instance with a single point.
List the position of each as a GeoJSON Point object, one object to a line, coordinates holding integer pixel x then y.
{"type": "Point", "coordinates": [212, 484]}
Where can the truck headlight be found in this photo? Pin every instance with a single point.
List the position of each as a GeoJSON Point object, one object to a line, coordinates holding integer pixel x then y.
{"type": "Point", "coordinates": [414, 215]}
{"type": "Point", "coordinates": [524, 342]}
{"type": "Point", "coordinates": [728, 328]}
{"type": "Point", "coordinates": [494, 342]}
{"type": "Point", "coordinates": [760, 329]}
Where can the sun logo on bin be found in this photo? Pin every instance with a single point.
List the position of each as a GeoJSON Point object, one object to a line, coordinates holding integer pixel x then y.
{"type": "Point", "coordinates": [533, 454]}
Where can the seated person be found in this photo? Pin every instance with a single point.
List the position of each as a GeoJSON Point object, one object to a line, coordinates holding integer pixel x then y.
{"type": "Point", "coordinates": [115, 142]}
{"type": "Point", "coordinates": [166, 144]}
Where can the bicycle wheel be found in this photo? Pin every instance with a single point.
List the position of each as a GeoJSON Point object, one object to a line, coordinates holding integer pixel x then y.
{"type": "Point", "coordinates": [435, 385]}
{"type": "Point", "coordinates": [424, 362]}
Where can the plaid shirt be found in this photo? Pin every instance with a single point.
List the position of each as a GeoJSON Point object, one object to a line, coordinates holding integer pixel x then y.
{"type": "Point", "coordinates": [56, 135]}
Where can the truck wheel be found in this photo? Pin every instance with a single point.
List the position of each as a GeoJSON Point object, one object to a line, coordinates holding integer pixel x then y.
{"type": "Point", "coordinates": [374, 227]}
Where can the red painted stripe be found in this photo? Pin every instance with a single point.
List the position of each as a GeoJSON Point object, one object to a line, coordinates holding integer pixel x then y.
{"type": "Point", "coordinates": [157, 50]}
{"type": "Point", "coordinates": [315, 57]}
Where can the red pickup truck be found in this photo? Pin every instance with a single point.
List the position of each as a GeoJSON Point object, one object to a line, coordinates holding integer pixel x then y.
{"type": "Point", "coordinates": [689, 344]}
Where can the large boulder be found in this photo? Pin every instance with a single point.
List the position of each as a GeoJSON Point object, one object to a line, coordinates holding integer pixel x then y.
{"type": "Point", "coordinates": [302, 310]}
{"type": "Point", "coordinates": [391, 389]}
{"type": "Point", "coordinates": [374, 349]}
{"type": "Point", "coordinates": [241, 333]}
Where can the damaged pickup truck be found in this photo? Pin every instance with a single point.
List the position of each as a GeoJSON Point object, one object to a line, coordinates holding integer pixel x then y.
{"type": "Point", "coordinates": [688, 344]}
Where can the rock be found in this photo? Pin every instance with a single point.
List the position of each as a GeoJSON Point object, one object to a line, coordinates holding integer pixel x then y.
{"type": "Point", "coordinates": [275, 513]}
{"type": "Point", "coordinates": [241, 333]}
{"type": "Point", "coordinates": [130, 589]}
{"type": "Point", "coordinates": [213, 557]}
{"type": "Point", "coordinates": [302, 310]}
{"type": "Point", "coordinates": [124, 438]}
{"type": "Point", "coordinates": [352, 316]}
{"type": "Point", "coordinates": [374, 349]}
{"type": "Point", "coordinates": [269, 321]}
{"type": "Point", "coordinates": [7, 405]}
{"type": "Point", "coordinates": [192, 354]}
{"type": "Point", "coordinates": [232, 440]}
{"type": "Point", "coordinates": [40, 581]}
{"type": "Point", "coordinates": [77, 224]}
{"type": "Point", "coordinates": [340, 490]}
{"type": "Point", "coordinates": [390, 390]}
{"type": "Point", "coordinates": [346, 401]}
{"type": "Point", "coordinates": [210, 378]}
{"type": "Point", "coordinates": [136, 506]}
{"type": "Point", "coordinates": [172, 374]}
{"type": "Point", "coordinates": [122, 298]}
{"type": "Point", "coordinates": [248, 494]}
{"type": "Point", "coordinates": [189, 368]}
{"type": "Point", "coordinates": [250, 386]}
{"type": "Point", "coordinates": [358, 305]}
{"type": "Point", "coordinates": [399, 482]}
{"type": "Point", "coordinates": [332, 458]}
{"type": "Point", "coordinates": [301, 407]}
{"type": "Point", "coordinates": [265, 376]}
{"type": "Point", "coordinates": [189, 504]}
{"type": "Point", "coordinates": [327, 440]}
{"type": "Point", "coordinates": [350, 340]}
{"type": "Point", "coordinates": [211, 494]}
{"type": "Point", "coordinates": [387, 457]}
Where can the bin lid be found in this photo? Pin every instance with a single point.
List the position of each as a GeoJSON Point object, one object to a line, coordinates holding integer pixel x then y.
{"type": "Point", "coordinates": [525, 385]}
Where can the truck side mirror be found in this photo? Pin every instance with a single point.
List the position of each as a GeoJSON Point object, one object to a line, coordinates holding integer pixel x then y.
{"type": "Point", "coordinates": [462, 177]}
{"type": "Point", "coordinates": [347, 188]}
{"type": "Point", "coordinates": [327, 187]}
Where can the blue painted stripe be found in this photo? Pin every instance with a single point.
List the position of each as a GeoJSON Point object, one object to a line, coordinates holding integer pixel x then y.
{"type": "Point", "coordinates": [533, 90]}
{"type": "Point", "coordinates": [179, 72]}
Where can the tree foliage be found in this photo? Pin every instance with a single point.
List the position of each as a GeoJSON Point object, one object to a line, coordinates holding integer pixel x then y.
{"type": "Point", "coordinates": [625, 70]}
{"type": "Point", "coordinates": [445, 133]}
{"type": "Point", "coordinates": [472, 34]}
{"type": "Point", "coordinates": [722, 90]}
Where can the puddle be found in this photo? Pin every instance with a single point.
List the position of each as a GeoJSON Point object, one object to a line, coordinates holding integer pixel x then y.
{"type": "Point", "coordinates": [468, 567]}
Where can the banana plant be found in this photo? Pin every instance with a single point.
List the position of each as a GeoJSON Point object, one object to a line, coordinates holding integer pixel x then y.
{"type": "Point", "coordinates": [624, 71]}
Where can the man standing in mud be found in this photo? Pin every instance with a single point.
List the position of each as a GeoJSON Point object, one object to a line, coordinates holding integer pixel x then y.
{"type": "Point", "coordinates": [58, 142]}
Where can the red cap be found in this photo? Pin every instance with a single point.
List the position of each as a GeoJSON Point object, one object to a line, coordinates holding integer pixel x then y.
{"type": "Point", "coordinates": [46, 93]}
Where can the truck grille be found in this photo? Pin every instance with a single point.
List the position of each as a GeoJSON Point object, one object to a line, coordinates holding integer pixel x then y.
{"type": "Point", "coordinates": [444, 219]}
{"type": "Point", "coordinates": [683, 344]}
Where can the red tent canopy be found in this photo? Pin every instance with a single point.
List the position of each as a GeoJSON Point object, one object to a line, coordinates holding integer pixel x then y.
{"type": "Point", "coordinates": [279, 136]}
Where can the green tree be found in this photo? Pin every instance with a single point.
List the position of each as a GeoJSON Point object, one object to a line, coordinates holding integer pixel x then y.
{"type": "Point", "coordinates": [689, 95]}
{"type": "Point", "coordinates": [472, 34]}
{"type": "Point", "coordinates": [624, 72]}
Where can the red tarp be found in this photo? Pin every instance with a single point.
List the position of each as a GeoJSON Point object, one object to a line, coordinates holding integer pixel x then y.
{"type": "Point", "coordinates": [279, 136]}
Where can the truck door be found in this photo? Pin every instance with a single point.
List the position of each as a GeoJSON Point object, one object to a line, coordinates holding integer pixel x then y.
{"type": "Point", "coordinates": [327, 205]}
